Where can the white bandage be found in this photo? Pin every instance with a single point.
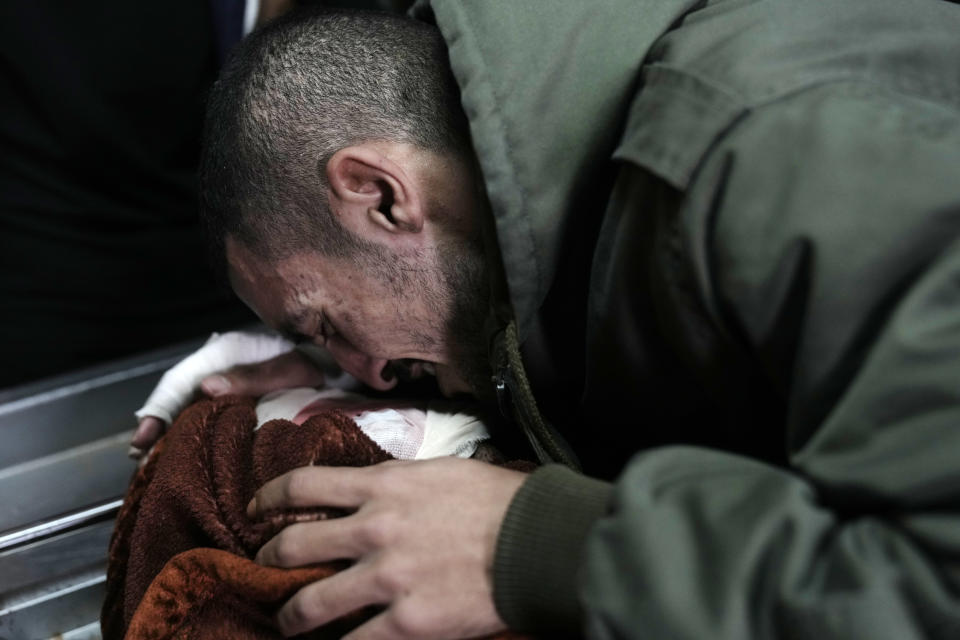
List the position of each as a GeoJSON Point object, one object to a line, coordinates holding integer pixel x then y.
{"type": "Point", "coordinates": [222, 351]}
{"type": "Point", "coordinates": [435, 428]}
{"type": "Point", "coordinates": [451, 432]}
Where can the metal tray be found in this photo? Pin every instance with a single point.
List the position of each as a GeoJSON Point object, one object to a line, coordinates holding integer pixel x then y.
{"type": "Point", "coordinates": [63, 472]}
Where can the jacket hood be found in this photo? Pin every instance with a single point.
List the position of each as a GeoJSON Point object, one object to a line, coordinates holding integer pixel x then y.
{"type": "Point", "coordinates": [546, 86]}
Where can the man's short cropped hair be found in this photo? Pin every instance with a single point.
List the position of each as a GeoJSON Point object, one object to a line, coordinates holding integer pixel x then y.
{"type": "Point", "coordinates": [294, 93]}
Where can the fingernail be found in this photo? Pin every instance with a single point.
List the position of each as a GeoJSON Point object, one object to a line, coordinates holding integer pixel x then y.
{"type": "Point", "coordinates": [216, 385]}
{"type": "Point", "coordinates": [135, 452]}
{"type": "Point", "coordinates": [252, 507]}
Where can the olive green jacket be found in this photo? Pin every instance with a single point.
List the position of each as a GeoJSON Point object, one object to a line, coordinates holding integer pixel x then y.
{"type": "Point", "coordinates": [729, 237]}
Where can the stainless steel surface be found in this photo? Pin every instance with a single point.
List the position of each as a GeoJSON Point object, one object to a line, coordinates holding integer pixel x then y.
{"type": "Point", "coordinates": [54, 607]}
{"type": "Point", "coordinates": [65, 554]}
{"type": "Point", "coordinates": [54, 585]}
{"type": "Point", "coordinates": [65, 481]}
{"type": "Point", "coordinates": [68, 521]}
{"type": "Point", "coordinates": [46, 417]}
{"type": "Point", "coordinates": [63, 470]}
{"type": "Point", "coordinates": [86, 632]}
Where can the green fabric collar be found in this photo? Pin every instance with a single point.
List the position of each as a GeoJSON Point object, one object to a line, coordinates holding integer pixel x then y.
{"type": "Point", "coordinates": [546, 86]}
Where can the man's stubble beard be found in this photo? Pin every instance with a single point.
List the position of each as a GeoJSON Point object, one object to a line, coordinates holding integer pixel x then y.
{"type": "Point", "coordinates": [463, 269]}
{"type": "Point", "coordinates": [453, 279]}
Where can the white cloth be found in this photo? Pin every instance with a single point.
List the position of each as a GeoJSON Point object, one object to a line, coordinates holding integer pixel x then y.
{"type": "Point", "coordinates": [451, 433]}
{"type": "Point", "coordinates": [437, 428]}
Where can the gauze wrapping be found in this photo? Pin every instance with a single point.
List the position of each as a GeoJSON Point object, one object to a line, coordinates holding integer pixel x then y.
{"type": "Point", "coordinates": [222, 351]}
{"type": "Point", "coordinates": [430, 429]}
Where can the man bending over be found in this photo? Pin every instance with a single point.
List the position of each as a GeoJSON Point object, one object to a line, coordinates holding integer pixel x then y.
{"type": "Point", "coordinates": [706, 253]}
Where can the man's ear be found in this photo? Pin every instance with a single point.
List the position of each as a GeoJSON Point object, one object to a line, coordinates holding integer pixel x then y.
{"type": "Point", "coordinates": [371, 193]}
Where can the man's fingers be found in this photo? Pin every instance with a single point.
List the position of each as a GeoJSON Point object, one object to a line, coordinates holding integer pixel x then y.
{"type": "Point", "coordinates": [329, 599]}
{"type": "Point", "coordinates": [344, 487]}
{"type": "Point", "coordinates": [423, 534]}
{"type": "Point", "coordinates": [306, 543]}
{"type": "Point", "coordinates": [291, 369]}
{"type": "Point", "coordinates": [390, 625]}
{"type": "Point", "coordinates": [148, 432]}
{"type": "Point", "coordinates": [380, 627]}
{"type": "Point", "coordinates": [417, 619]}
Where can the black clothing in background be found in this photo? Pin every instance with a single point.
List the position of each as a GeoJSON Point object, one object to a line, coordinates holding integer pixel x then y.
{"type": "Point", "coordinates": [101, 108]}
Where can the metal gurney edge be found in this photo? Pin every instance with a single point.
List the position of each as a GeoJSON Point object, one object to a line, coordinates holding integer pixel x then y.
{"type": "Point", "coordinates": [63, 470]}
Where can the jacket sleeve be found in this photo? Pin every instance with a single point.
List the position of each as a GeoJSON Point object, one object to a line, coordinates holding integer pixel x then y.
{"type": "Point", "coordinates": [844, 235]}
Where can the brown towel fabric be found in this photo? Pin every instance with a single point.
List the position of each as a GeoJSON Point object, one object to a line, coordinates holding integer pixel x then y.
{"type": "Point", "coordinates": [180, 563]}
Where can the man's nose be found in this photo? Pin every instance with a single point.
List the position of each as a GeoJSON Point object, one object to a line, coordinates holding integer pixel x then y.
{"type": "Point", "coordinates": [364, 368]}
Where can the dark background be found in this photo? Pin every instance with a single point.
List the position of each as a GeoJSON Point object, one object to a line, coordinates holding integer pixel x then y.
{"type": "Point", "coordinates": [101, 107]}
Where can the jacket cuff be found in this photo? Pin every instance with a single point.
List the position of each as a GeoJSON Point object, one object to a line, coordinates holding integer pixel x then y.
{"type": "Point", "coordinates": [540, 549]}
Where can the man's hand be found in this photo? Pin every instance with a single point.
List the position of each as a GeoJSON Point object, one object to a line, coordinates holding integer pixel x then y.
{"type": "Point", "coordinates": [423, 537]}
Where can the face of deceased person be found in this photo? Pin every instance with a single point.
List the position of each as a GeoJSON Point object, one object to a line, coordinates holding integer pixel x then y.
{"type": "Point", "coordinates": [413, 309]}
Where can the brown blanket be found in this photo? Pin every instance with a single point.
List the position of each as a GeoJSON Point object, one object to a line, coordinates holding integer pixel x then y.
{"type": "Point", "coordinates": [180, 562]}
